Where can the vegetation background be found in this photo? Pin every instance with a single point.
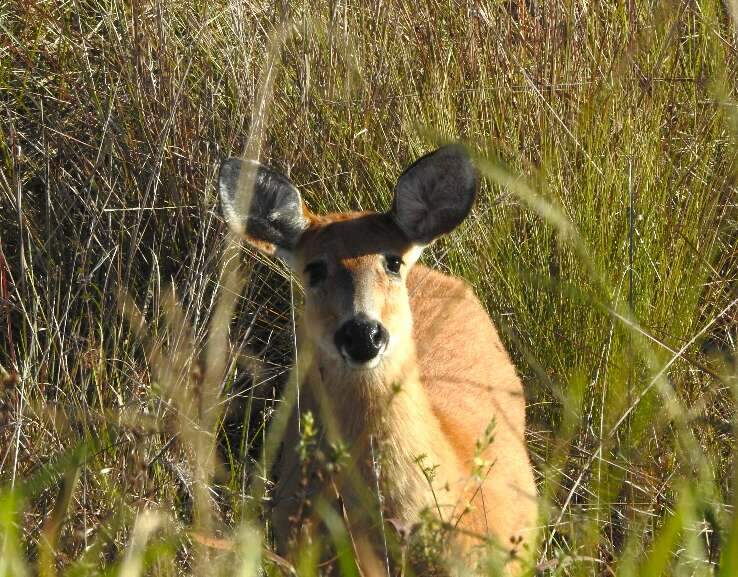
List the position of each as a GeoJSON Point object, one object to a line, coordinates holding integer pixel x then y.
{"type": "Point", "coordinates": [138, 375]}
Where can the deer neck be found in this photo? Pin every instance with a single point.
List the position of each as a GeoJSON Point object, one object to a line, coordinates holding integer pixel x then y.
{"type": "Point", "coordinates": [387, 423]}
{"type": "Point", "coordinates": [373, 402]}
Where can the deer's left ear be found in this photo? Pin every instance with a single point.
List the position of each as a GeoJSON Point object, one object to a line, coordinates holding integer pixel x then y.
{"type": "Point", "coordinates": [435, 194]}
{"type": "Point", "coordinates": [262, 206]}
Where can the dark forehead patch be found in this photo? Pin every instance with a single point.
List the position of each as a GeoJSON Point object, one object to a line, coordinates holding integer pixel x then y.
{"type": "Point", "coordinates": [353, 236]}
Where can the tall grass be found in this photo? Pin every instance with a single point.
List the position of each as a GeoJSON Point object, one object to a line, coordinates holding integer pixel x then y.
{"type": "Point", "coordinates": [603, 245]}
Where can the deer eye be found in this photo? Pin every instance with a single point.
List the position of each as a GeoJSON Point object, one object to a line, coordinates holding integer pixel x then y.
{"type": "Point", "coordinates": [393, 263]}
{"type": "Point", "coordinates": [316, 272]}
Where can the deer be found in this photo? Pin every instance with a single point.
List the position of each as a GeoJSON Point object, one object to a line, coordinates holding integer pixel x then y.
{"type": "Point", "coordinates": [406, 367]}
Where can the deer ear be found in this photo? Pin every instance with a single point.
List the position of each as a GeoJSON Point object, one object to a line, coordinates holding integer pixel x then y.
{"type": "Point", "coordinates": [262, 206]}
{"type": "Point", "coordinates": [435, 194]}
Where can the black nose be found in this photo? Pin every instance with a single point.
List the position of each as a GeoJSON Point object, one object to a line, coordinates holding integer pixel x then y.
{"type": "Point", "coordinates": [361, 338]}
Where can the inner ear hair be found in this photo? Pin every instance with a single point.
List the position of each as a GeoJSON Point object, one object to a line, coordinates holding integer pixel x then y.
{"type": "Point", "coordinates": [261, 205]}
{"type": "Point", "coordinates": [435, 194]}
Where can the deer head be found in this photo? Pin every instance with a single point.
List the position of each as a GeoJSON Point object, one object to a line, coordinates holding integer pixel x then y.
{"type": "Point", "coordinates": [353, 266]}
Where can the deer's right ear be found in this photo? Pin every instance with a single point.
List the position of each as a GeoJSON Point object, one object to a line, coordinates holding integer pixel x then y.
{"type": "Point", "coordinates": [262, 206]}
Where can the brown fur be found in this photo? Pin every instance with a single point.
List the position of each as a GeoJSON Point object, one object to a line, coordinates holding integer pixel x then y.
{"type": "Point", "coordinates": [434, 394]}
